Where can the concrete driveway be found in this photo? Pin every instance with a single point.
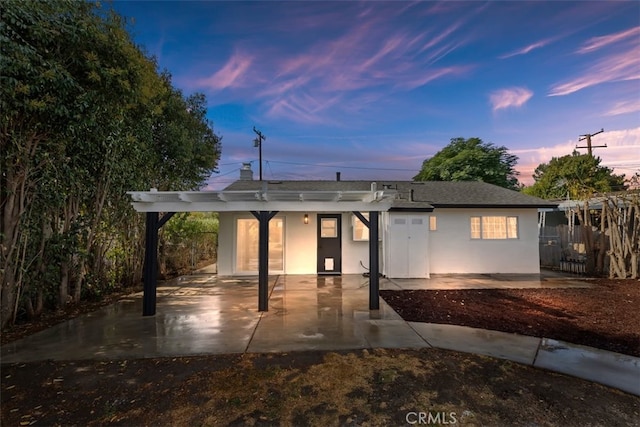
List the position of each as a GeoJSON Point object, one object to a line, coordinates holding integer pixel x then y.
{"type": "Point", "coordinates": [207, 314]}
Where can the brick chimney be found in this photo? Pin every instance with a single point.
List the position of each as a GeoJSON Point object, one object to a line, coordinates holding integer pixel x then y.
{"type": "Point", "coordinates": [246, 174]}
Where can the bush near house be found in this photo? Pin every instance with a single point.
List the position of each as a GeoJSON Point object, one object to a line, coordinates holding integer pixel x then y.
{"type": "Point", "coordinates": [86, 117]}
{"type": "Point", "coordinates": [187, 241]}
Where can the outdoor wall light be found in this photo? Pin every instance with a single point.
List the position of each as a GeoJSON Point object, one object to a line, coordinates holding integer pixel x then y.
{"type": "Point", "coordinates": [306, 218]}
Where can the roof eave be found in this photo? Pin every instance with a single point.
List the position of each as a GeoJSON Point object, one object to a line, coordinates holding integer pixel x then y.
{"type": "Point", "coordinates": [409, 209]}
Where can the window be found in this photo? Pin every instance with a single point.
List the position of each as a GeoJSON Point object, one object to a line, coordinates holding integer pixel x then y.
{"type": "Point", "coordinates": [475, 227]}
{"type": "Point", "coordinates": [494, 227]}
{"type": "Point", "coordinates": [360, 231]}
{"type": "Point", "coordinates": [433, 223]}
{"type": "Point", "coordinates": [247, 245]}
{"type": "Point", "coordinates": [329, 227]}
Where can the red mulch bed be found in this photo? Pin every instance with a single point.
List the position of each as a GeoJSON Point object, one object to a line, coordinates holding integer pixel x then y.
{"type": "Point", "coordinates": [606, 316]}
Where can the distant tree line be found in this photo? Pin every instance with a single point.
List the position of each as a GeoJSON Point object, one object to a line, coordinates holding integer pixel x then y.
{"type": "Point", "coordinates": [85, 116]}
{"type": "Point", "coordinates": [575, 175]}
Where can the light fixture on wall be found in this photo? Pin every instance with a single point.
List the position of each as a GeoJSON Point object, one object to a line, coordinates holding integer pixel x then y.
{"type": "Point", "coordinates": [306, 218]}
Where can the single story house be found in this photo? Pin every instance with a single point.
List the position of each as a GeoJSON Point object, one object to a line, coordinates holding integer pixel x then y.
{"type": "Point", "coordinates": [430, 228]}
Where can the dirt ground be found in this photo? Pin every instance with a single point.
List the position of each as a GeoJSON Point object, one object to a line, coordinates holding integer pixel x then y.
{"type": "Point", "coordinates": [378, 388]}
{"type": "Point", "coordinates": [375, 388]}
{"type": "Point", "coordinates": [605, 316]}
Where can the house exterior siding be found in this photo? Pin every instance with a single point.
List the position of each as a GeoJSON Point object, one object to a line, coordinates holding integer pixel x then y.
{"type": "Point", "coordinates": [300, 247]}
{"type": "Point", "coordinates": [454, 251]}
{"type": "Point", "coordinates": [442, 246]}
{"type": "Point", "coordinates": [450, 248]}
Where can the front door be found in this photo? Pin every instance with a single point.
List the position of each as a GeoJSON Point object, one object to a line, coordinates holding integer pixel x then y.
{"type": "Point", "coordinates": [329, 243]}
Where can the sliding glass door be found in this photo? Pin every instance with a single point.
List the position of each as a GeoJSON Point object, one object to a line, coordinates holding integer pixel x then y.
{"type": "Point", "coordinates": [247, 245]}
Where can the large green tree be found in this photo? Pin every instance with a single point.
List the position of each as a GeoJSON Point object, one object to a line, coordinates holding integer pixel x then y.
{"type": "Point", "coordinates": [471, 160]}
{"type": "Point", "coordinates": [84, 117]}
{"type": "Point", "coordinates": [576, 176]}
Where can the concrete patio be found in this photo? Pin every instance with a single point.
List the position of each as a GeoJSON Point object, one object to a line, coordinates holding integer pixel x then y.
{"type": "Point", "coordinates": [206, 314]}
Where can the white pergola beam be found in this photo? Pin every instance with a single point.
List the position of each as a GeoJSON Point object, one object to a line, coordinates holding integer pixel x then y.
{"type": "Point", "coordinates": [239, 206]}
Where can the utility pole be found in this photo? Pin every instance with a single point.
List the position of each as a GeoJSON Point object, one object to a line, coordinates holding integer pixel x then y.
{"type": "Point", "coordinates": [589, 147]}
{"type": "Point", "coordinates": [258, 143]}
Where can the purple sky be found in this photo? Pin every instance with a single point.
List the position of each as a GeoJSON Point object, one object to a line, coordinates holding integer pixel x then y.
{"type": "Point", "coordinates": [372, 89]}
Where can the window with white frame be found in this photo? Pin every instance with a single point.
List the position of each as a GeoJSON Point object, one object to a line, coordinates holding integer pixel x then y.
{"type": "Point", "coordinates": [360, 231]}
{"type": "Point", "coordinates": [494, 227]}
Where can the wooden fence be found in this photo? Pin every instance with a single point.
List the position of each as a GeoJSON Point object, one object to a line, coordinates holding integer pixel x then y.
{"type": "Point", "coordinates": [563, 247]}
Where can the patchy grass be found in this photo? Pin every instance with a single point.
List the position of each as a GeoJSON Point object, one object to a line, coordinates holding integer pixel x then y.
{"type": "Point", "coordinates": [374, 388]}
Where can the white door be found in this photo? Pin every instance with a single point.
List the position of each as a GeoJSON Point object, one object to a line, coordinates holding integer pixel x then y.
{"type": "Point", "coordinates": [408, 245]}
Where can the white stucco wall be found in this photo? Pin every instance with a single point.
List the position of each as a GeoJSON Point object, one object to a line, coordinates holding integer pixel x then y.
{"type": "Point", "coordinates": [226, 234]}
{"type": "Point", "coordinates": [453, 251]}
{"type": "Point", "coordinates": [353, 252]}
{"type": "Point", "coordinates": [300, 248]}
{"type": "Point", "coordinates": [450, 248]}
{"type": "Point", "coordinates": [300, 244]}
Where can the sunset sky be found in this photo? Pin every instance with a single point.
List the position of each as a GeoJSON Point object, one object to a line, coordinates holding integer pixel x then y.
{"type": "Point", "coordinates": [371, 89]}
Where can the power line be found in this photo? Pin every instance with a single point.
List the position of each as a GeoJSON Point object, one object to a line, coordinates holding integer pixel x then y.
{"type": "Point", "coordinates": [270, 170]}
{"type": "Point", "coordinates": [339, 166]}
{"type": "Point", "coordinates": [224, 174]}
{"type": "Point", "coordinates": [235, 163]}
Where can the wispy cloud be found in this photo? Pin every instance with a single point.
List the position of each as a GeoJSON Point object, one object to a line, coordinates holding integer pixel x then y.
{"type": "Point", "coordinates": [620, 62]}
{"type": "Point", "coordinates": [232, 74]}
{"type": "Point", "coordinates": [315, 82]}
{"type": "Point", "coordinates": [431, 75]}
{"type": "Point", "coordinates": [303, 106]}
{"type": "Point", "coordinates": [624, 107]}
{"type": "Point", "coordinates": [368, 57]}
{"type": "Point", "coordinates": [509, 97]}
{"type": "Point", "coordinates": [527, 49]}
{"type": "Point", "coordinates": [619, 66]}
{"type": "Point", "coordinates": [596, 43]}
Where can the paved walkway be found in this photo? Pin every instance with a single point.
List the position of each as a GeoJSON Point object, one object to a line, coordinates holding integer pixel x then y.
{"type": "Point", "coordinates": [206, 314]}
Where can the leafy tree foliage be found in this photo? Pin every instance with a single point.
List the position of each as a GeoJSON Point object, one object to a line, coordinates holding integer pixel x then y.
{"type": "Point", "coordinates": [187, 239]}
{"type": "Point", "coordinates": [86, 116]}
{"type": "Point", "coordinates": [471, 160]}
{"type": "Point", "coordinates": [576, 176]}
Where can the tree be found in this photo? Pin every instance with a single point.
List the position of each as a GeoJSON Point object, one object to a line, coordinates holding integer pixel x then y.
{"type": "Point", "coordinates": [84, 119]}
{"type": "Point", "coordinates": [577, 176]}
{"type": "Point", "coordinates": [471, 160]}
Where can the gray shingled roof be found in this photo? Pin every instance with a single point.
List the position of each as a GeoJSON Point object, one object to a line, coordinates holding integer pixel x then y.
{"type": "Point", "coordinates": [416, 195]}
{"type": "Point", "coordinates": [473, 194]}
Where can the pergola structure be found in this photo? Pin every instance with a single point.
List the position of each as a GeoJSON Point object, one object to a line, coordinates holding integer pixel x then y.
{"type": "Point", "coordinates": [264, 205]}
